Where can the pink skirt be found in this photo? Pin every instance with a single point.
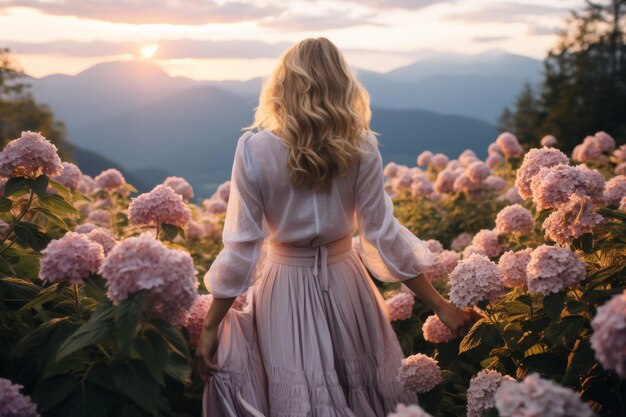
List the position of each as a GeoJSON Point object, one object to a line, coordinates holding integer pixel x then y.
{"type": "Point", "coordinates": [314, 340]}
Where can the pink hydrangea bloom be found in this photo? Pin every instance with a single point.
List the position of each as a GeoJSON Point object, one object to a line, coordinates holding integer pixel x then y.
{"type": "Point", "coordinates": [72, 258]}
{"type": "Point", "coordinates": [509, 145]}
{"type": "Point", "coordinates": [494, 183]}
{"type": "Point", "coordinates": [161, 205]}
{"type": "Point", "coordinates": [513, 266]}
{"type": "Point", "coordinates": [142, 263]}
{"type": "Point", "coordinates": [4, 228]}
{"type": "Point", "coordinates": [196, 317]}
{"type": "Point", "coordinates": [445, 181]}
{"type": "Point", "coordinates": [619, 155]}
{"type": "Point", "coordinates": [412, 410]}
{"type": "Point", "coordinates": [486, 243]}
{"type": "Point", "coordinates": [100, 217]}
{"type": "Point", "coordinates": [13, 403]}
{"type": "Point", "coordinates": [435, 331]}
{"type": "Point", "coordinates": [481, 391]}
{"type": "Point", "coordinates": [223, 192]}
{"type": "Point", "coordinates": [70, 176]}
{"type": "Point", "coordinates": [434, 245]}
{"type": "Point", "coordinates": [87, 184]}
{"type": "Point", "coordinates": [421, 188]}
{"type": "Point", "coordinates": [609, 334]}
{"type": "Point", "coordinates": [478, 171]}
{"type": "Point", "coordinates": [548, 140]}
{"type": "Point", "coordinates": [425, 158]}
{"type": "Point", "coordinates": [391, 170]}
{"type": "Point", "coordinates": [85, 228]}
{"type": "Point", "coordinates": [615, 189]}
{"type": "Point", "coordinates": [533, 161]}
{"type": "Point", "coordinates": [195, 230]}
{"type": "Point", "coordinates": [475, 279]}
{"type": "Point", "coordinates": [536, 396]}
{"type": "Point", "coordinates": [494, 149]}
{"type": "Point", "coordinates": [461, 241]}
{"type": "Point", "coordinates": [620, 169]}
{"type": "Point", "coordinates": [622, 203]}
{"type": "Point", "coordinates": [604, 141]}
{"type": "Point", "coordinates": [102, 237]}
{"type": "Point", "coordinates": [469, 251]}
{"type": "Point", "coordinates": [467, 157]}
{"type": "Point", "coordinates": [571, 220]}
{"type": "Point", "coordinates": [494, 160]}
{"type": "Point", "coordinates": [110, 180]}
{"type": "Point", "coordinates": [445, 263]}
{"type": "Point", "coordinates": [419, 373]}
{"type": "Point", "coordinates": [213, 206]}
{"type": "Point", "coordinates": [439, 161]}
{"type": "Point", "coordinates": [512, 196]}
{"type": "Point", "coordinates": [593, 183]}
{"type": "Point", "coordinates": [400, 306]}
{"type": "Point", "coordinates": [515, 220]}
{"type": "Point", "coordinates": [180, 186]}
{"type": "Point", "coordinates": [552, 269]}
{"type": "Point", "coordinates": [29, 155]}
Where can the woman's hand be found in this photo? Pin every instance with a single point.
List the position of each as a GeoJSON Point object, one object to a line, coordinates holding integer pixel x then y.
{"type": "Point", "coordinates": [207, 345]}
{"type": "Point", "coordinates": [457, 320]}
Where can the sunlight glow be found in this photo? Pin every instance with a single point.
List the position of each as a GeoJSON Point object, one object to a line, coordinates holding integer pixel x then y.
{"type": "Point", "coordinates": [148, 51]}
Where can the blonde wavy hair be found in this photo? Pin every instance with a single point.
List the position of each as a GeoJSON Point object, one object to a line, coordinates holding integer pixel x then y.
{"type": "Point", "coordinates": [315, 104]}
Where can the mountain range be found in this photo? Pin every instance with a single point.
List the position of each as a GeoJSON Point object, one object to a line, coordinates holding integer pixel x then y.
{"type": "Point", "coordinates": [150, 125]}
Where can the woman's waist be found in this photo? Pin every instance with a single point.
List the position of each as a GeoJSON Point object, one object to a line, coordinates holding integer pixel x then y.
{"type": "Point", "coordinates": [290, 254]}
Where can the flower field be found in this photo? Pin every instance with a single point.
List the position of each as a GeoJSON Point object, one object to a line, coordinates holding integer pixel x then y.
{"type": "Point", "coordinates": [102, 299]}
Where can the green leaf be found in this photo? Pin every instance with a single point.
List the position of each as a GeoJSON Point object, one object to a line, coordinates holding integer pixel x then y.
{"type": "Point", "coordinates": [5, 204]}
{"type": "Point", "coordinates": [553, 305]}
{"type": "Point", "coordinates": [546, 363]}
{"type": "Point", "coordinates": [52, 391]}
{"type": "Point", "coordinates": [58, 204]}
{"type": "Point", "coordinates": [17, 289]}
{"type": "Point", "coordinates": [178, 368]}
{"type": "Point", "coordinates": [39, 185]}
{"type": "Point", "coordinates": [174, 338]}
{"type": "Point", "coordinates": [127, 317]}
{"type": "Point", "coordinates": [53, 218]}
{"type": "Point", "coordinates": [169, 231]}
{"type": "Point", "coordinates": [579, 363]}
{"type": "Point", "coordinates": [130, 188]}
{"type": "Point", "coordinates": [45, 295]}
{"type": "Point", "coordinates": [133, 380]}
{"type": "Point", "coordinates": [152, 349]}
{"type": "Point", "coordinates": [479, 331]}
{"type": "Point", "coordinates": [61, 189]}
{"type": "Point", "coordinates": [565, 331]}
{"type": "Point", "coordinates": [15, 184]}
{"type": "Point", "coordinates": [98, 327]}
{"type": "Point", "coordinates": [31, 236]}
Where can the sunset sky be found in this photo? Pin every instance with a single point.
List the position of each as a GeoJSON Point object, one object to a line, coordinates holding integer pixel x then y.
{"type": "Point", "coordinates": [241, 39]}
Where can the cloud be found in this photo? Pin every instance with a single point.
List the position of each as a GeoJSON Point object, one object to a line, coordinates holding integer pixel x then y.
{"type": "Point", "coordinates": [488, 39]}
{"type": "Point", "coordinates": [538, 30]}
{"type": "Point", "coordinates": [168, 49]}
{"type": "Point", "coordinates": [307, 23]}
{"type": "Point", "coordinates": [401, 4]}
{"type": "Point", "coordinates": [507, 12]}
{"type": "Point", "coordinates": [185, 12]}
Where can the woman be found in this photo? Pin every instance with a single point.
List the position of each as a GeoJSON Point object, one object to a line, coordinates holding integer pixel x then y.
{"type": "Point", "coordinates": [315, 338]}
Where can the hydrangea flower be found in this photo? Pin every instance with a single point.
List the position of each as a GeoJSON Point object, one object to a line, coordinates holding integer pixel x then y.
{"type": "Point", "coordinates": [100, 217]}
{"type": "Point", "coordinates": [400, 306]}
{"type": "Point", "coordinates": [102, 237]}
{"type": "Point", "coordinates": [552, 269]}
{"type": "Point", "coordinates": [180, 186]}
{"type": "Point", "coordinates": [419, 373]}
{"type": "Point", "coordinates": [513, 266]}
{"type": "Point", "coordinates": [434, 245]}
{"type": "Point", "coordinates": [553, 186]}
{"type": "Point", "coordinates": [615, 189]}
{"type": "Point", "coordinates": [445, 262]}
{"type": "Point", "coordinates": [620, 169]}
{"type": "Point", "coordinates": [87, 184]}
{"type": "Point", "coordinates": [412, 410]}
{"type": "Point", "coordinates": [494, 160]}
{"type": "Point", "coordinates": [486, 242]}
{"type": "Point", "coordinates": [548, 140]}
{"type": "Point", "coordinates": [110, 180]}
{"type": "Point", "coordinates": [421, 188]}
{"type": "Point", "coordinates": [622, 204]}
{"type": "Point", "coordinates": [533, 161]}
{"type": "Point", "coordinates": [535, 396]}
{"type": "Point", "coordinates": [571, 220]}
{"type": "Point", "coordinates": [461, 241]}
{"type": "Point", "coordinates": [142, 263]}
{"type": "Point", "coordinates": [425, 158]}
{"type": "Point", "coordinates": [481, 391]}
{"type": "Point", "coordinates": [594, 148]}
{"type": "Point", "coordinates": [85, 228]}
{"type": "Point", "coordinates": [29, 155]}
{"type": "Point", "coordinates": [445, 181]}
{"type": "Point", "coordinates": [439, 161]}
{"type": "Point", "coordinates": [512, 196]}
{"type": "Point", "coordinates": [494, 149]}
{"type": "Point", "coordinates": [223, 192]}
{"type": "Point", "coordinates": [72, 258]}
{"type": "Point", "coordinates": [509, 145]}
{"type": "Point", "coordinates": [161, 205]}
{"type": "Point", "coordinates": [494, 183]}
{"type": "Point", "coordinates": [475, 279]}
{"type": "Point", "coordinates": [13, 403]}
{"type": "Point", "coordinates": [214, 206]}
{"type": "Point", "coordinates": [195, 230]}
{"type": "Point", "coordinates": [515, 220]}
{"type": "Point", "coordinates": [196, 317]}
{"type": "Point", "coordinates": [467, 157]}
{"type": "Point", "coordinates": [70, 176]}
{"type": "Point", "coordinates": [391, 170]}
{"type": "Point", "coordinates": [435, 331]}
{"type": "Point", "coordinates": [609, 334]}
{"type": "Point", "coordinates": [478, 171]}
{"type": "Point", "coordinates": [619, 155]}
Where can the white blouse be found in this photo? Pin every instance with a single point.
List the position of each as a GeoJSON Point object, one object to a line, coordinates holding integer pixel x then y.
{"type": "Point", "coordinates": [264, 205]}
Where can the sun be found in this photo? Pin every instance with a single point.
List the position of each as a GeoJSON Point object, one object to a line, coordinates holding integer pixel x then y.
{"type": "Point", "coordinates": [148, 51]}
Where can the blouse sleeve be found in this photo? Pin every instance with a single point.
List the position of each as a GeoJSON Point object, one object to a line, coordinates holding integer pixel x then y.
{"type": "Point", "coordinates": [235, 267]}
{"type": "Point", "coordinates": [389, 250]}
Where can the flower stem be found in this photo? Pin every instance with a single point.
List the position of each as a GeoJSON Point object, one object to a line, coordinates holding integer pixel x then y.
{"type": "Point", "coordinates": [76, 302]}
{"type": "Point", "coordinates": [19, 217]}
